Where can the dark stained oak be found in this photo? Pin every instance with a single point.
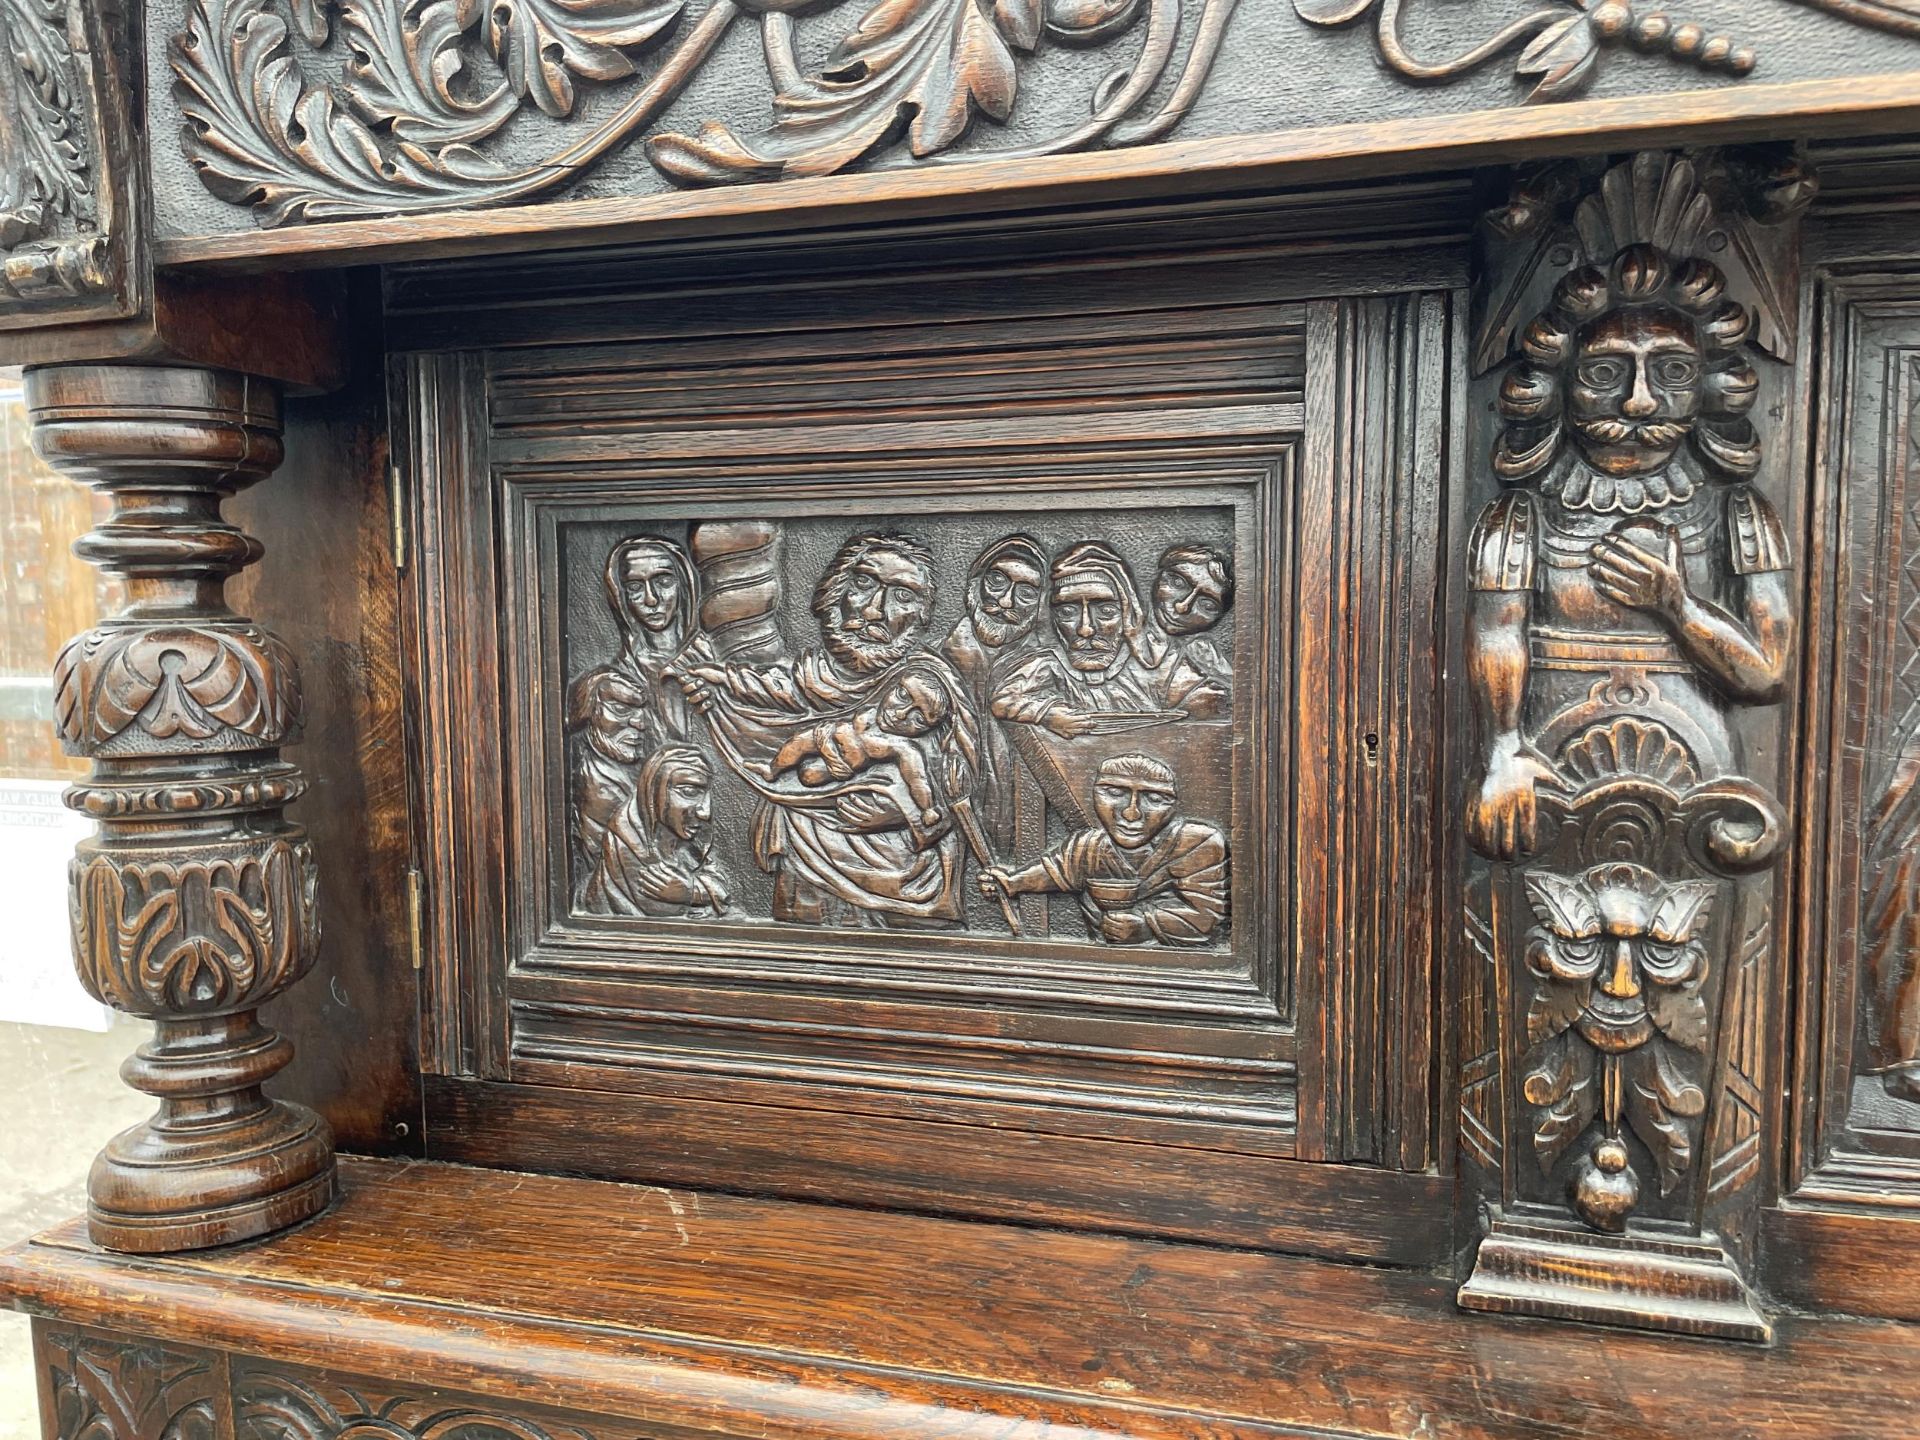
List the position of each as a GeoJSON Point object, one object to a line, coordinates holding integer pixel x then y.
{"type": "Point", "coordinates": [705, 1314]}
{"type": "Point", "coordinates": [196, 899]}
{"type": "Point", "coordinates": [1023, 719]}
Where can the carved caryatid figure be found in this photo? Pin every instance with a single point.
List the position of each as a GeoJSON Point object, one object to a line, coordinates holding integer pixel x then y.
{"type": "Point", "coordinates": [656, 858]}
{"type": "Point", "coordinates": [1192, 592]}
{"type": "Point", "coordinates": [1006, 589]}
{"type": "Point", "coordinates": [1146, 875]}
{"type": "Point", "coordinates": [1640, 567]}
{"type": "Point", "coordinates": [1628, 591]}
{"type": "Point", "coordinates": [1105, 655]}
{"type": "Point", "coordinates": [845, 849]}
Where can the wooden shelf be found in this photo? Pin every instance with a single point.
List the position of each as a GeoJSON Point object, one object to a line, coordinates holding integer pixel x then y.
{"type": "Point", "coordinates": [700, 1314]}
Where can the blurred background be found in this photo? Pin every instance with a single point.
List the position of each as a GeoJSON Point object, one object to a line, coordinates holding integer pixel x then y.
{"type": "Point", "coordinates": [60, 1051]}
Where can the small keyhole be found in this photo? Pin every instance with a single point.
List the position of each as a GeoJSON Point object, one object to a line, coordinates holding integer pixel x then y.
{"type": "Point", "coordinates": [1372, 742]}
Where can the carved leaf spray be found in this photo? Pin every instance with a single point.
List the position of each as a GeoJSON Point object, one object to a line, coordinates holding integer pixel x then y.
{"type": "Point", "coordinates": [428, 82]}
{"type": "Point", "coordinates": [1560, 46]}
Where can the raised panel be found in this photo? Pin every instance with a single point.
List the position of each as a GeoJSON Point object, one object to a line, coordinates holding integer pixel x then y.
{"type": "Point", "coordinates": [740, 789]}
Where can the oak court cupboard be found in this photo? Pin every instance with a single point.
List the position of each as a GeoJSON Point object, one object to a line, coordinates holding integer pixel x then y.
{"type": "Point", "coordinates": [843, 719]}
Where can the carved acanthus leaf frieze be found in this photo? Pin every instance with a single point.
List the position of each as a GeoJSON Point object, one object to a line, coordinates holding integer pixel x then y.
{"type": "Point", "coordinates": [428, 83]}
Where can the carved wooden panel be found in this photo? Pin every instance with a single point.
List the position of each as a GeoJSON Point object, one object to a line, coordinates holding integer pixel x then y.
{"type": "Point", "coordinates": [1859, 1140]}
{"type": "Point", "coordinates": [288, 110]}
{"type": "Point", "coordinates": [1632, 618]}
{"type": "Point", "coordinates": [72, 229]}
{"type": "Point", "coordinates": [274, 1401]}
{"type": "Point", "coordinates": [940, 723]}
{"type": "Point", "coordinates": [100, 1386]}
{"type": "Point", "coordinates": [942, 767]}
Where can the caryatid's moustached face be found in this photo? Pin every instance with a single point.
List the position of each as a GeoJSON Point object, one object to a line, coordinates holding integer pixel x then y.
{"type": "Point", "coordinates": [1006, 600]}
{"type": "Point", "coordinates": [652, 585]}
{"type": "Point", "coordinates": [1635, 390]}
{"type": "Point", "coordinates": [1091, 621]}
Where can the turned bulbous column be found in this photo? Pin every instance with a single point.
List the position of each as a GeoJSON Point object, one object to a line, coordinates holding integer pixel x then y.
{"type": "Point", "coordinates": [195, 902]}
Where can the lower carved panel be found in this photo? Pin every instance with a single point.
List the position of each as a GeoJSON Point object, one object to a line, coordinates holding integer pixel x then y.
{"type": "Point", "coordinates": [97, 1386]}
{"type": "Point", "coordinates": [271, 1403]}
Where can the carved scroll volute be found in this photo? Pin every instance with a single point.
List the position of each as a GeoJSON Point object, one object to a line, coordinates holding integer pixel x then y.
{"type": "Point", "coordinates": [195, 901]}
{"type": "Point", "coordinates": [1631, 627]}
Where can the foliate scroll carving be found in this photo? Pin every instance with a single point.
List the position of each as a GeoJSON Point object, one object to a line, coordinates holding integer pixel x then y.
{"type": "Point", "coordinates": [213, 933]}
{"type": "Point", "coordinates": [197, 900]}
{"type": "Point", "coordinates": [1560, 49]}
{"type": "Point", "coordinates": [115, 1387]}
{"type": "Point", "coordinates": [1899, 16]}
{"type": "Point", "coordinates": [1631, 597]}
{"type": "Point", "coordinates": [273, 1404]}
{"type": "Point", "coordinates": [174, 684]}
{"type": "Point", "coordinates": [427, 84]}
{"type": "Point", "coordinates": [1057, 729]}
{"type": "Point", "coordinates": [64, 223]}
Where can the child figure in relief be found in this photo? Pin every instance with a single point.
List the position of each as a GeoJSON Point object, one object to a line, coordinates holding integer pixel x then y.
{"type": "Point", "coordinates": [1147, 875]}
{"type": "Point", "coordinates": [890, 730]}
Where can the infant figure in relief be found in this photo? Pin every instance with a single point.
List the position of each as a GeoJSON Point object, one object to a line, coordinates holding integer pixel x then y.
{"type": "Point", "coordinates": [888, 731]}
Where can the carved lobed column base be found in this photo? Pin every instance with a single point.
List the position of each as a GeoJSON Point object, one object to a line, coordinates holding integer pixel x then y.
{"type": "Point", "coordinates": [219, 1162]}
{"type": "Point", "coordinates": [1683, 1286]}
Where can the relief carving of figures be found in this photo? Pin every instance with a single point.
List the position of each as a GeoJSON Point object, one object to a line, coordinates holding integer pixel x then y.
{"type": "Point", "coordinates": [821, 739]}
{"type": "Point", "coordinates": [1629, 589]}
{"type": "Point", "coordinates": [656, 856]}
{"type": "Point", "coordinates": [865, 775]}
{"type": "Point", "coordinates": [1005, 590]}
{"type": "Point", "coordinates": [623, 712]}
{"type": "Point", "coordinates": [1192, 593]}
{"type": "Point", "coordinates": [1893, 923]}
{"type": "Point", "coordinates": [1147, 874]}
{"type": "Point", "coordinates": [1106, 665]}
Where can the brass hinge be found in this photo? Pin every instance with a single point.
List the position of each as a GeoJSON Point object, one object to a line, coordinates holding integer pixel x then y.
{"type": "Point", "coordinates": [416, 917]}
{"type": "Point", "coordinates": [397, 517]}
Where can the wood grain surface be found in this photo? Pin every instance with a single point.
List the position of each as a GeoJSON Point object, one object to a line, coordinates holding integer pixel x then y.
{"type": "Point", "coordinates": [739, 1317]}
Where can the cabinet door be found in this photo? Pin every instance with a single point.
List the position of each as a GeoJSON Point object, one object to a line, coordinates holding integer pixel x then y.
{"type": "Point", "coordinates": [974, 762]}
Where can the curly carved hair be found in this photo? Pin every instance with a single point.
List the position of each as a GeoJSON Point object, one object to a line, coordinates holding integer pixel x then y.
{"type": "Point", "coordinates": [833, 582]}
{"type": "Point", "coordinates": [1693, 291]}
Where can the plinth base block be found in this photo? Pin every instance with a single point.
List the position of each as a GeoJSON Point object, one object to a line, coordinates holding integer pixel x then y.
{"type": "Point", "coordinates": [1686, 1287]}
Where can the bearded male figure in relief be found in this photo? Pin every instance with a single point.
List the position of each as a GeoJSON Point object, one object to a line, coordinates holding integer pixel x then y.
{"type": "Point", "coordinates": [843, 849]}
